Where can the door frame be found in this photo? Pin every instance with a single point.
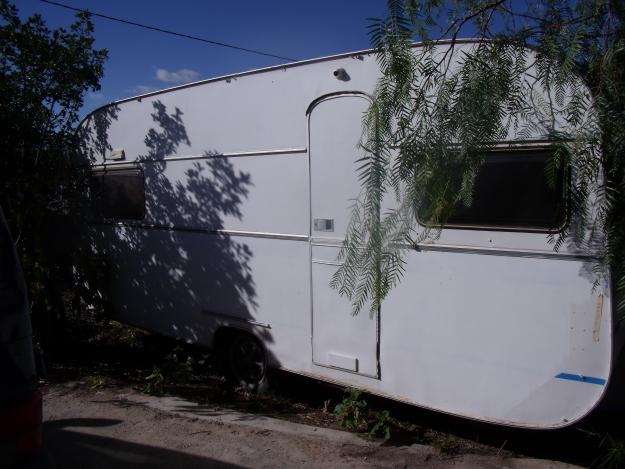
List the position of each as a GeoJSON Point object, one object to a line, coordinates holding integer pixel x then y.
{"type": "Point", "coordinates": [311, 241]}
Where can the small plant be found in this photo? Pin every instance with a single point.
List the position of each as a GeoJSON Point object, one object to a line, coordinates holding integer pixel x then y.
{"type": "Point", "coordinates": [155, 382]}
{"type": "Point", "coordinates": [98, 382]}
{"type": "Point", "coordinates": [352, 410]}
{"type": "Point", "coordinates": [178, 369]}
{"type": "Point", "coordinates": [612, 453]}
{"type": "Point", "coordinates": [381, 425]}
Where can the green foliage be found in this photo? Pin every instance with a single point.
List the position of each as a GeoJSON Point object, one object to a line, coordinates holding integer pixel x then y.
{"type": "Point", "coordinates": [354, 414]}
{"type": "Point", "coordinates": [611, 449]}
{"type": "Point", "coordinates": [177, 369]}
{"type": "Point", "coordinates": [155, 382]}
{"type": "Point", "coordinates": [98, 382]}
{"type": "Point", "coordinates": [613, 453]}
{"type": "Point", "coordinates": [352, 410]}
{"type": "Point", "coordinates": [548, 68]}
{"type": "Point", "coordinates": [381, 426]}
{"type": "Point", "coordinates": [44, 75]}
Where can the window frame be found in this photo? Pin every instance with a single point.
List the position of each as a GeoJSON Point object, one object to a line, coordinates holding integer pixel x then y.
{"type": "Point", "coordinates": [565, 219]}
{"type": "Point", "coordinates": [101, 172]}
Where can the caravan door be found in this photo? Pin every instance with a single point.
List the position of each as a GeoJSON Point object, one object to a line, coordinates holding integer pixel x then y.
{"type": "Point", "coordinates": [340, 340]}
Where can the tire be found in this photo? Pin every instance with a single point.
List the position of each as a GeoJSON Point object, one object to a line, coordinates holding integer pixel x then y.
{"type": "Point", "coordinates": [245, 362]}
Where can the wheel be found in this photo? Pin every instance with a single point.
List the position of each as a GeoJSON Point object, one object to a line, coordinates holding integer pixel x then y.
{"type": "Point", "coordinates": [246, 362]}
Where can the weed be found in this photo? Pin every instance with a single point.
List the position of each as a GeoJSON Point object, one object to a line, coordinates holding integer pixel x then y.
{"type": "Point", "coordinates": [612, 453]}
{"type": "Point", "coordinates": [89, 325]}
{"type": "Point", "coordinates": [98, 382]}
{"type": "Point", "coordinates": [178, 369]}
{"type": "Point", "coordinates": [381, 425]}
{"type": "Point", "coordinates": [352, 410]}
{"type": "Point", "coordinates": [155, 382]}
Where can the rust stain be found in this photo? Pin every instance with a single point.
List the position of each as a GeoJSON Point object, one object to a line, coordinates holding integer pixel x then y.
{"type": "Point", "coordinates": [596, 330]}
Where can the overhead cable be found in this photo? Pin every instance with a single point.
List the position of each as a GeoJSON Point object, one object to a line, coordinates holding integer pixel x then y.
{"type": "Point", "coordinates": [173, 33]}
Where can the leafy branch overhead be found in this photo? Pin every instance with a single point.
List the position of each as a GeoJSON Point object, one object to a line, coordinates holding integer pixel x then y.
{"type": "Point", "coordinates": [544, 70]}
{"type": "Point", "coordinates": [44, 76]}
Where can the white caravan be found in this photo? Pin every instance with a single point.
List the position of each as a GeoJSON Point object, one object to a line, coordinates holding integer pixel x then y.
{"type": "Point", "coordinates": [223, 206]}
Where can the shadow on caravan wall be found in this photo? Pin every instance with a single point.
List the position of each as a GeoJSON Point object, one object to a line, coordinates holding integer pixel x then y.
{"type": "Point", "coordinates": [168, 268]}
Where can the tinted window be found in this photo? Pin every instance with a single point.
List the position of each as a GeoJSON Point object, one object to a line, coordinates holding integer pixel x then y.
{"type": "Point", "coordinates": [511, 191]}
{"type": "Point", "coordinates": [119, 193]}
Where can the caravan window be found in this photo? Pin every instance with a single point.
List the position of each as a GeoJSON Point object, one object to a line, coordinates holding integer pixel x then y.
{"type": "Point", "coordinates": [119, 193]}
{"type": "Point", "coordinates": [511, 192]}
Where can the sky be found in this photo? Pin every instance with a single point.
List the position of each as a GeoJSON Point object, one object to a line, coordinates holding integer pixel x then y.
{"type": "Point", "coordinates": [141, 60]}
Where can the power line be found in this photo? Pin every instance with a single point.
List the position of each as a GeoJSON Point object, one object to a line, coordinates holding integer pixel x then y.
{"type": "Point", "coordinates": [173, 33]}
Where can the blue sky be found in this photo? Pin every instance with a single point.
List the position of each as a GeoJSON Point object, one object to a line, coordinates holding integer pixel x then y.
{"type": "Point", "coordinates": [142, 60]}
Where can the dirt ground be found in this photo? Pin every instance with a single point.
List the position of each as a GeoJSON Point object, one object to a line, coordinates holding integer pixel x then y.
{"type": "Point", "coordinates": [97, 414]}
{"type": "Point", "coordinates": [121, 428]}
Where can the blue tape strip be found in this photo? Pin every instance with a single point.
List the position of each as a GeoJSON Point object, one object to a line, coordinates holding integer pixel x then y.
{"type": "Point", "coordinates": [583, 379]}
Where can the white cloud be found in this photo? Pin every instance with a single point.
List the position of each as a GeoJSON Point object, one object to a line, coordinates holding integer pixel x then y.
{"type": "Point", "coordinates": [143, 89]}
{"type": "Point", "coordinates": [96, 96]}
{"type": "Point", "coordinates": [184, 75]}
